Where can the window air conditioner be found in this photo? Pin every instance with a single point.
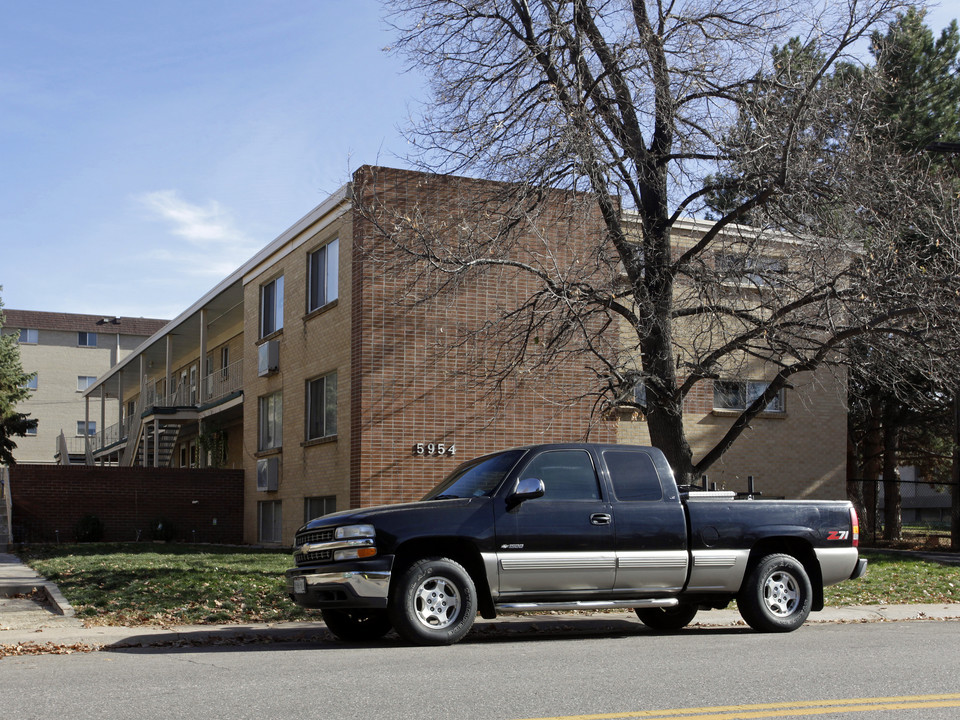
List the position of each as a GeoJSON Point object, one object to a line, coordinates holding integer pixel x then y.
{"type": "Point", "coordinates": [268, 474]}
{"type": "Point", "coordinates": [268, 358]}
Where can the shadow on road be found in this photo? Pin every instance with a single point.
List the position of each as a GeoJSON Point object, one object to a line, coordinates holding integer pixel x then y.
{"type": "Point", "coordinates": [484, 633]}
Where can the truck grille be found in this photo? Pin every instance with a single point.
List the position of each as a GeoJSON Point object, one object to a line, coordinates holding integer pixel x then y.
{"type": "Point", "coordinates": [315, 536]}
{"type": "Point", "coordinates": [312, 557]}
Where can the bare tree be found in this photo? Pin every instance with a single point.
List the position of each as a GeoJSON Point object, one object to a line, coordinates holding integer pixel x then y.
{"type": "Point", "coordinates": [631, 105]}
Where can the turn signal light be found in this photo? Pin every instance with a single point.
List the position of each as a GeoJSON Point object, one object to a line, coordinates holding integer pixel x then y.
{"type": "Point", "coordinates": [855, 527]}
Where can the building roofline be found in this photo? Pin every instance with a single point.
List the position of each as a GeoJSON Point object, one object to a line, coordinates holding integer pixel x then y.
{"type": "Point", "coordinates": [81, 322]}
{"type": "Point", "coordinates": [336, 204]}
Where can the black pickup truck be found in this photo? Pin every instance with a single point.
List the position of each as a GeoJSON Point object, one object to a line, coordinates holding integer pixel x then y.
{"type": "Point", "coordinates": [571, 526]}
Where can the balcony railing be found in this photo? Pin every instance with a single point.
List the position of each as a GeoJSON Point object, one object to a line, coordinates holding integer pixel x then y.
{"type": "Point", "coordinates": [219, 384]}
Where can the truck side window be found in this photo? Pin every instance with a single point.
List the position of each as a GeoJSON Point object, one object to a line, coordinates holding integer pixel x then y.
{"type": "Point", "coordinates": [633, 475]}
{"type": "Point", "coordinates": [566, 475]}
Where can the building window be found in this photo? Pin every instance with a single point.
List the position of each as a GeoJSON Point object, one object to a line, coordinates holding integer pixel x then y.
{"type": "Point", "coordinates": [32, 382]}
{"type": "Point", "coordinates": [269, 521]}
{"type": "Point", "coordinates": [271, 307]}
{"type": "Point", "coordinates": [271, 421]}
{"type": "Point", "coordinates": [224, 360]}
{"type": "Point", "coordinates": [748, 269]}
{"type": "Point", "coordinates": [86, 339]}
{"type": "Point", "coordinates": [29, 336]}
{"type": "Point", "coordinates": [740, 394]}
{"type": "Point", "coordinates": [314, 507]}
{"type": "Point", "coordinates": [322, 407]}
{"type": "Point", "coordinates": [32, 430]}
{"type": "Point", "coordinates": [86, 428]}
{"type": "Point", "coordinates": [85, 381]}
{"type": "Point", "coordinates": [322, 283]}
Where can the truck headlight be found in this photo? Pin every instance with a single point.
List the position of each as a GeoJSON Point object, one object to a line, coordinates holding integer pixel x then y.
{"type": "Point", "coordinates": [348, 532]}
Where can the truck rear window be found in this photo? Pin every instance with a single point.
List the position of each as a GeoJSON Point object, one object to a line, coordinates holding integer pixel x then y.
{"type": "Point", "coordinates": [633, 475]}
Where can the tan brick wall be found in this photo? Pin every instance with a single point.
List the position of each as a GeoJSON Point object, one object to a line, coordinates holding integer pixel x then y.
{"type": "Point", "coordinates": [310, 345]}
{"type": "Point", "coordinates": [801, 454]}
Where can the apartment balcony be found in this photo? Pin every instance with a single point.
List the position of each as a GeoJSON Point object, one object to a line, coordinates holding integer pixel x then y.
{"type": "Point", "coordinates": [217, 392]}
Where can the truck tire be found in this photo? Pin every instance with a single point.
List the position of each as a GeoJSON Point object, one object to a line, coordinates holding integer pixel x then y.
{"type": "Point", "coordinates": [777, 595]}
{"type": "Point", "coordinates": [434, 602]}
{"type": "Point", "coordinates": [357, 625]}
{"type": "Point", "coordinates": [667, 619]}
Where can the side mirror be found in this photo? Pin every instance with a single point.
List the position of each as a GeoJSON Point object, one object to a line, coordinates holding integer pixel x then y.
{"type": "Point", "coordinates": [527, 489]}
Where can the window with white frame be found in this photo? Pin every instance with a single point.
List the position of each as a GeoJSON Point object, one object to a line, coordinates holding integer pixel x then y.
{"type": "Point", "coordinates": [322, 407]}
{"type": "Point", "coordinates": [86, 339]}
{"type": "Point", "coordinates": [271, 421]}
{"type": "Point", "coordinates": [322, 280]}
{"type": "Point", "coordinates": [32, 430]}
{"type": "Point", "coordinates": [314, 507]}
{"type": "Point", "coordinates": [86, 428]}
{"type": "Point", "coordinates": [33, 382]}
{"type": "Point", "coordinates": [85, 381]}
{"type": "Point", "coordinates": [29, 336]}
{"type": "Point", "coordinates": [740, 394]}
{"type": "Point", "coordinates": [271, 306]}
{"type": "Point", "coordinates": [269, 524]}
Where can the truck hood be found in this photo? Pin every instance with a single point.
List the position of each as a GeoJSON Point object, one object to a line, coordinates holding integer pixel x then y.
{"type": "Point", "coordinates": [370, 514]}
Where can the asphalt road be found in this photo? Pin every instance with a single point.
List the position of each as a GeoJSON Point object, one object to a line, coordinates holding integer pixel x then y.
{"type": "Point", "coordinates": [710, 674]}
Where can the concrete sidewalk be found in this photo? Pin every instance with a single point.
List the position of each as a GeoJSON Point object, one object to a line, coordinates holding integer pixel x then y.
{"type": "Point", "coordinates": [33, 612]}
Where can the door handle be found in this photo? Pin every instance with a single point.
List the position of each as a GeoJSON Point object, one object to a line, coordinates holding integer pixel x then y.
{"type": "Point", "coordinates": [600, 519]}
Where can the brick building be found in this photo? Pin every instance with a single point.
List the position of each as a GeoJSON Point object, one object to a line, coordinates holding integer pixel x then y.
{"type": "Point", "coordinates": [335, 378]}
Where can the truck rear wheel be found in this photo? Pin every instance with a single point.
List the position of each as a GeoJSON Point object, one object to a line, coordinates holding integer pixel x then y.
{"type": "Point", "coordinates": [777, 595]}
{"type": "Point", "coordinates": [434, 602]}
{"type": "Point", "coordinates": [357, 625]}
{"type": "Point", "coordinates": [667, 619]}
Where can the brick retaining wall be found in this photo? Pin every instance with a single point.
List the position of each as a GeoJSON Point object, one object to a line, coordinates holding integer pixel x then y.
{"type": "Point", "coordinates": [201, 505]}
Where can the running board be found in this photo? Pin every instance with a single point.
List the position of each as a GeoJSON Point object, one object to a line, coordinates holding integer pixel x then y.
{"type": "Point", "coordinates": [518, 607]}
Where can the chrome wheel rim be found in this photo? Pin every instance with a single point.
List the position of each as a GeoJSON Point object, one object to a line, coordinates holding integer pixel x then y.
{"type": "Point", "coordinates": [437, 602]}
{"type": "Point", "coordinates": [781, 593]}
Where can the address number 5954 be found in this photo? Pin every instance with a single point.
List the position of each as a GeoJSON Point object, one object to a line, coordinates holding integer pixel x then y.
{"type": "Point", "coordinates": [434, 449]}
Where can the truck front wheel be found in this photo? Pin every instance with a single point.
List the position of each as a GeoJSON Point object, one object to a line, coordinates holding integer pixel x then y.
{"type": "Point", "coordinates": [777, 595]}
{"type": "Point", "coordinates": [357, 625]}
{"type": "Point", "coordinates": [434, 602]}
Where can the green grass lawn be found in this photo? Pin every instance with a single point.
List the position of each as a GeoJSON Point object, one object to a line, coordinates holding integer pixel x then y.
{"type": "Point", "coordinates": [168, 584]}
{"type": "Point", "coordinates": [161, 584]}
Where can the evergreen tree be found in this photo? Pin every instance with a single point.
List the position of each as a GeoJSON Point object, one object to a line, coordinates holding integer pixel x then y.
{"type": "Point", "coordinates": [13, 390]}
{"type": "Point", "coordinates": [899, 406]}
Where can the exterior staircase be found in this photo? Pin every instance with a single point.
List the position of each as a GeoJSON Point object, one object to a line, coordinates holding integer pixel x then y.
{"type": "Point", "coordinates": [163, 445]}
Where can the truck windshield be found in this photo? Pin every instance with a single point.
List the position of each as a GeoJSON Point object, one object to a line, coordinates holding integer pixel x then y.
{"type": "Point", "coordinates": [476, 478]}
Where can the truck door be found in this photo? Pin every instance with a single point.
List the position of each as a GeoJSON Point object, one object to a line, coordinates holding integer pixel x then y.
{"type": "Point", "coordinates": [563, 541]}
{"type": "Point", "coordinates": [651, 528]}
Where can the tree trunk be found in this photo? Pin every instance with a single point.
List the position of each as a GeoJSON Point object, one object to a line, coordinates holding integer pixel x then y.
{"type": "Point", "coordinates": [854, 481]}
{"type": "Point", "coordinates": [892, 505]}
{"type": "Point", "coordinates": [872, 466]}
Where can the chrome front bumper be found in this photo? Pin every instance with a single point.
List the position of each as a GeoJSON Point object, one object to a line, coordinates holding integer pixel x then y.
{"type": "Point", "coordinates": [345, 585]}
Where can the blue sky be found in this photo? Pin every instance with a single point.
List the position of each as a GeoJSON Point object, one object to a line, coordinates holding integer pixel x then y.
{"type": "Point", "coordinates": [148, 149]}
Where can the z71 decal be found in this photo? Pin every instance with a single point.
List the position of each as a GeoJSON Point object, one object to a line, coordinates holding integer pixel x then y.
{"type": "Point", "coordinates": [838, 535]}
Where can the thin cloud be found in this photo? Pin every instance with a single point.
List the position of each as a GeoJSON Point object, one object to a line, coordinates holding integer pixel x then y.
{"type": "Point", "coordinates": [200, 224]}
{"type": "Point", "coordinates": [210, 245]}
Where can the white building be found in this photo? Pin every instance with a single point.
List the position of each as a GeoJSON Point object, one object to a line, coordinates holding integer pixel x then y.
{"type": "Point", "coordinates": [68, 352]}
